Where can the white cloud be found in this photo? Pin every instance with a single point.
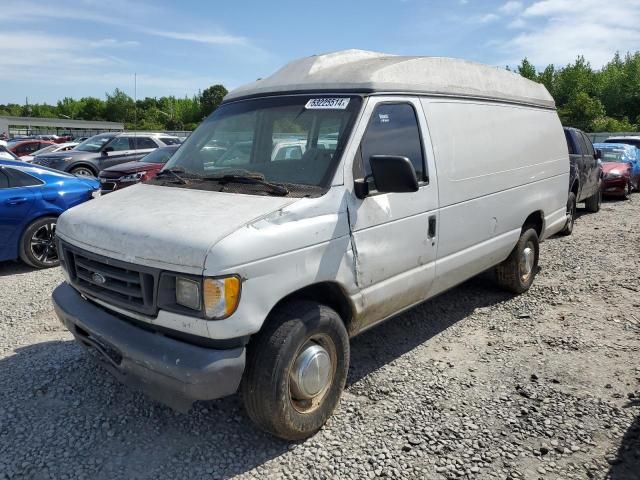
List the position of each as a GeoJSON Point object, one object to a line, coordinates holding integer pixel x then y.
{"type": "Point", "coordinates": [208, 38]}
{"type": "Point", "coordinates": [113, 43]}
{"type": "Point", "coordinates": [92, 11]}
{"type": "Point", "coordinates": [488, 18]}
{"type": "Point", "coordinates": [511, 7]}
{"type": "Point", "coordinates": [37, 57]}
{"type": "Point", "coordinates": [557, 31]}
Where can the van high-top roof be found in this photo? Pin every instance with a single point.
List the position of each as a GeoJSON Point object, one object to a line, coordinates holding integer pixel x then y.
{"type": "Point", "coordinates": [360, 71]}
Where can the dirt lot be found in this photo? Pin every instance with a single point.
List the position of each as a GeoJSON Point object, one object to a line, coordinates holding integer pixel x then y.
{"type": "Point", "coordinates": [474, 384]}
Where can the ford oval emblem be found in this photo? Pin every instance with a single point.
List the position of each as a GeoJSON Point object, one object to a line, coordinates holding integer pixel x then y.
{"type": "Point", "coordinates": [98, 278]}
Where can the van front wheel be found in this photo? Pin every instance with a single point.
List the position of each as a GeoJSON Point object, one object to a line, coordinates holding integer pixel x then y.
{"type": "Point", "coordinates": [517, 272]}
{"type": "Point", "coordinates": [296, 370]}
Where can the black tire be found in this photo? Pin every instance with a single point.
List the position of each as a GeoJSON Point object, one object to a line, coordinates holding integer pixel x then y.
{"type": "Point", "coordinates": [83, 171]}
{"type": "Point", "coordinates": [267, 387]}
{"type": "Point", "coordinates": [512, 275]}
{"type": "Point", "coordinates": [37, 245]}
{"type": "Point", "coordinates": [594, 202]}
{"type": "Point", "coordinates": [571, 215]}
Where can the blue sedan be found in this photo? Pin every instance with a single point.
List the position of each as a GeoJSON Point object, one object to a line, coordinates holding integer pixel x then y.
{"type": "Point", "coordinates": [31, 199]}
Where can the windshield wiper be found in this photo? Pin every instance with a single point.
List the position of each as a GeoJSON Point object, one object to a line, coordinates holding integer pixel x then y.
{"type": "Point", "coordinates": [174, 173]}
{"type": "Point", "coordinates": [249, 178]}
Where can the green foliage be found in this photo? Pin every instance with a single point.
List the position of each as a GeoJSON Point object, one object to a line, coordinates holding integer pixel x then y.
{"type": "Point", "coordinates": [607, 100]}
{"type": "Point", "coordinates": [164, 113]}
{"type": "Point", "coordinates": [210, 98]}
{"type": "Point", "coordinates": [527, 70]}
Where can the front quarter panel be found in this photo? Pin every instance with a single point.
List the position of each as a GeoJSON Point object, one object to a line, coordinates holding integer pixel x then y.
{"type": "Point", "coordinates": [300, 245]}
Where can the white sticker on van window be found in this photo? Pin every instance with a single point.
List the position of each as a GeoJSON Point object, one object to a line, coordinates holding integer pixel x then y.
{"type": "Point", "coordinates": [327, 104]}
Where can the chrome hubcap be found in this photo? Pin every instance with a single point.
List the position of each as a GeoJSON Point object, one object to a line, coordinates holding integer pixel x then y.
{"type": "Point", "coordinates": [311, 372]}
{"type": "Point", "coordinates": [83, 172]}
{"type": "Point", "coordinates": [42, 244]}
{"type": "Point", "coordinates": [527, 260]}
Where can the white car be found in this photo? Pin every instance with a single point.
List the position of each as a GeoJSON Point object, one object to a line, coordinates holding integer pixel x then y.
{"type": "Point", "coordinates": [417, 174]}
{"type": "Point", "coordinates": [58, 147]}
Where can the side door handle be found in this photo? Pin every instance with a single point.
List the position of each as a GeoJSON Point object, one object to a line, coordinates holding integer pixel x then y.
{"type": "Point", "coordinates": [432, 227]}
{"type": "Point", "coordinates": [15, 200]}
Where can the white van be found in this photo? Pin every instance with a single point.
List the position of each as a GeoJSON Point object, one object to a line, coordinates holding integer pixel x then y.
{"type": "Point", "coordinates": [417, 174]}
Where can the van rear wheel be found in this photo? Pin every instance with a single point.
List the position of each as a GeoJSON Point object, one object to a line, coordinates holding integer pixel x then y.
{"type": "Point", "coordinates": [296, 370]}
{"type": "Point", "coordinates": [517, 272]}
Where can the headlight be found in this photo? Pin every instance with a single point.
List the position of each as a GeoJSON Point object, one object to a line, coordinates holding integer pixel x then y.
{"type": "Point", "coordinates": [188, 293]}
{"type": "Point", "coordinates": [613, 174]}
{"type": "Point", "coordinates": [133, 177]}
{"type": "Point", "coordinates": [215, 298]}
{"type": "Point", "coordinates": [221, 296]}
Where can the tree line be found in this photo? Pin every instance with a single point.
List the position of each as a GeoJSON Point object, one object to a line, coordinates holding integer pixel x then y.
{"type": "Point", "coordinates": [164, 113]}
{"type": "Point", "coordinates": [605, 100]}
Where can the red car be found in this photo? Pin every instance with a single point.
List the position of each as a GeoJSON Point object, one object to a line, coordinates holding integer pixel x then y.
{"type": "Point", "coordinates": [28, 147]}
{"type": "Point", "coordinates": [130, 173]}
{"type": "Point", "coordinates": [616, 178]}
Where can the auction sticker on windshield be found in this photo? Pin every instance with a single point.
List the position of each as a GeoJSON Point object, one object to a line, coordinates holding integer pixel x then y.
{"type": "Point", "coordinates": [327, 103]}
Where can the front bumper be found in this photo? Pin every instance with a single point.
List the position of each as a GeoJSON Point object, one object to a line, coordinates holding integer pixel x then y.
{"type": "Point", "coordinates": [171, 371]}
{"type": "Point", "coordinates": [615, 185]}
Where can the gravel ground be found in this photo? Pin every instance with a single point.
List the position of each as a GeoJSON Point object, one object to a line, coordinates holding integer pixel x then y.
{"type": "Point", "coordinates": [473, 384]}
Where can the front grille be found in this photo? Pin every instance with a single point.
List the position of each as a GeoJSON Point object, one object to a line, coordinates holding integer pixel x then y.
{"type": "Point", "coordinates": [110, 175]}
{"type": "Point", "coordinates": [121, 284]}
{"type": "Point", "coordinates": [106, 186]}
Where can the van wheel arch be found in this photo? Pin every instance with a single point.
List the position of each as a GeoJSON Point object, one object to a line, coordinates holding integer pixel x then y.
{"type": "Point", "coordinates": [330, 294]}
{"type": "Point", "coordinates": [536, 222]}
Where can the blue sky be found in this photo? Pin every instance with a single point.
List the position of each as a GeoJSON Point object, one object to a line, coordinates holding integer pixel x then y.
{"type": "Point", "coordinates": [88, 47]}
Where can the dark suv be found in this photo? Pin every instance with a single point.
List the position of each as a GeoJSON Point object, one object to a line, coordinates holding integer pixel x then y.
{"type": "Point", "coordinates": [585, 176]}
{"type": "Point", "coordinates": [104, 151]}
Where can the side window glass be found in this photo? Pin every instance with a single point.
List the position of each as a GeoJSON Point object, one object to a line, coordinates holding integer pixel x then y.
{"type": "Point", "coordinates": [583, 145]}
{"type": "Point", "coordinates": [20, 179]}
{"type": "Point", "coordinates": [119, 144]}
{"type": "Point", "coordinates": [589, 145]}
{"type": "Point", "coordinates": [293, 152]}
{"type": "Point", "coordinates": [572, 149]}
{"type": "Point", "coordinates": [393, 130]}
{"type": "Point", "coordinates": [142, 143]}
{"type": "Point", "coordinates": [4, 182]}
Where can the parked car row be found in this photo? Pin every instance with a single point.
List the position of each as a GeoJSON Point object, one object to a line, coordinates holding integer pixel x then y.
{"type": "Point", "coordinates": [611, 168]}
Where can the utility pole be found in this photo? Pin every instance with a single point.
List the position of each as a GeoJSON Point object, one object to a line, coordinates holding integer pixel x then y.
{"type": "Point", "coordinates": [135, 103]}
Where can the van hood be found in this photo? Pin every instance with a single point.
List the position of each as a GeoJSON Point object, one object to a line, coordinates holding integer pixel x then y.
{"type": "Point", "coordinates": [161, 226]}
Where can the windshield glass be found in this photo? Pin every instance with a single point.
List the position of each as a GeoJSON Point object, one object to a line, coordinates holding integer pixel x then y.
{"type": "Point", "coordinates": [617, 156]}
{"type": "Point", "coordinates": [94, 144]}
{"type": "Point", "coordinates": [293, 140]}
{"type": "Point", "coordinates": [159, 155]}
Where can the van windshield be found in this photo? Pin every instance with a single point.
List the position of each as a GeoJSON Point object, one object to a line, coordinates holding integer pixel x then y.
{"type": "Point", "coordinates": [292, 140]}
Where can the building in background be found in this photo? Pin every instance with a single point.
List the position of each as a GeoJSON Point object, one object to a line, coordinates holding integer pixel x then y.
{"type": "Point", "coordinates": [56, 126]}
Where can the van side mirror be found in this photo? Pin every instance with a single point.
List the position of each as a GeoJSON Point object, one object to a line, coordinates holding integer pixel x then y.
{"type": "Point", "coordinates": [393, 174]}
{"type": "Point", "coordinates": [107, 150]}
{"type": "Point", "coordinates": [598, 154]}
